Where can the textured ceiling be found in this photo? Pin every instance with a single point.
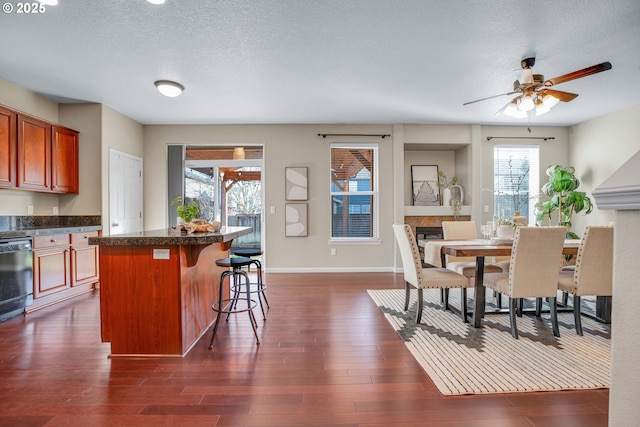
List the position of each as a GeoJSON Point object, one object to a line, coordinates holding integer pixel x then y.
{"type": "Point", "coordinates": [323, 61]}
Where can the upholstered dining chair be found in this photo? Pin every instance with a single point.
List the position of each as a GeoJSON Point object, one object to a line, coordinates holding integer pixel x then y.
{"type": "Point", "coordinates": [593, 272]}
{"type": "Point", "coordinates": [533, 271]}
{"type": "Point", "coordinates": [417, 276]}
{"type": "Point", "coordinates": [464, 230]}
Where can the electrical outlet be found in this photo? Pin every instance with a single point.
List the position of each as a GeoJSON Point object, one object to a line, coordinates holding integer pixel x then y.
{"type": "Point", "coordinates": [161, 254]}
{"type": "Point", "coordinates": [29, 210]}
{"type": "Point", "coordinates": [55, 210]}
{"type": "Point", "coordinates": [333, 251]}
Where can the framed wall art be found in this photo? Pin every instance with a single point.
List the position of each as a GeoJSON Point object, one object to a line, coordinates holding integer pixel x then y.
{"type": "Point", "coordinates": [296, 183]}
{"type": "Point", "coordinates": [296, 220]}
{"type": "Point", "coordinates": [424, 185]}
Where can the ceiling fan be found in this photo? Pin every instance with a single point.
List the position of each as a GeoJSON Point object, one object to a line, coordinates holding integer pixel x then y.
{"type": "Point", "coordinates": [534, 92]}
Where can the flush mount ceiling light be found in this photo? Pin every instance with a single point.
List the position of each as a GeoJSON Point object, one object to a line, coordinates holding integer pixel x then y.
{"type": "Point", "coordinates": [169, 88]}
{"type": "Point", "coordinates": [156, 1]}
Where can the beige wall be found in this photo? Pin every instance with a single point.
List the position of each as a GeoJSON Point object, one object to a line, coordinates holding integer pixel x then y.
{"type": "Point", "coordinates": [284, 145]}
{"type": "Point", "coordinates": [86, 119]}
{"type": "Point", "coordinates": [599, 147]}
{"type": "Point", "coordinates": [24, 100]}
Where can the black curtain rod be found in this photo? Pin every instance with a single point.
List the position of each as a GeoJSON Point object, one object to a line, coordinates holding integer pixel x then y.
{"type": "Point", "coordinates": [383, 136]}
{"type": "Point", "coordinates": [489, 138]}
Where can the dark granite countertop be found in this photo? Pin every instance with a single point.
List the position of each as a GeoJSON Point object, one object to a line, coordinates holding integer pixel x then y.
{"type": "Point", "coordinates": [29, 226]}
{"type": "Point", "coordinates": [170, 236]}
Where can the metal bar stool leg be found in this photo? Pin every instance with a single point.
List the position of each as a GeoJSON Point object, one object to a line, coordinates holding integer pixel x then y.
{"type": "Point", "coordinates": [252, 318]}
{"type": "Point", "coordinates": [219, 303]}
{"type": "Point", "coordinates": [260, 289]}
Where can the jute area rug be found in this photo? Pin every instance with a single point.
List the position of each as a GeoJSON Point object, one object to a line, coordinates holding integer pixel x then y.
{"type": "Point", "coordinates": [461, 359]}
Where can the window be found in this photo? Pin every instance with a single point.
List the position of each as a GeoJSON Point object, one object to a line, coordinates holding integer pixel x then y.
{"type": "Point", "coordinates": [516, 172]}
{"type": "Point", "coordinates": [354, 192]}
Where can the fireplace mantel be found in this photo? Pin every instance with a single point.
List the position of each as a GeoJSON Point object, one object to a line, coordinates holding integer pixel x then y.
{"type": "Point", "coordinates": [434, 211]}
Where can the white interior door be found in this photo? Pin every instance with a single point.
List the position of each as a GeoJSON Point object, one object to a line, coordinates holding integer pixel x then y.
{"type": "Point", "coordinates": [125, 193]}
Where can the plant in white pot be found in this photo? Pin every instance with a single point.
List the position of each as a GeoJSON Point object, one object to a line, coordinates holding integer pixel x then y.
{"type": "Point", "coordinates": [565, 199]}
{"type": "Point", "coordinates": [186, 211]}
{"type": "Point", "coordinates": [450, 198]}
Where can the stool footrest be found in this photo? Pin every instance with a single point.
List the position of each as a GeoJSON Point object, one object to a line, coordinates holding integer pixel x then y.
{"type": "Point", "coordinates": [218, 306]}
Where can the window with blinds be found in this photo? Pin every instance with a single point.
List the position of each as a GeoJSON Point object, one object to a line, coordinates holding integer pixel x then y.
{"type": "Point", "coordinates": [516, 180]}
{"type": "Point", "coordinates": [354, 191]}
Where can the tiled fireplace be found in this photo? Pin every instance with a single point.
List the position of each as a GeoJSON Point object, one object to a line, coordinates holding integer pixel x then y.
{"type": "Point", "coordinates": [429, 227]}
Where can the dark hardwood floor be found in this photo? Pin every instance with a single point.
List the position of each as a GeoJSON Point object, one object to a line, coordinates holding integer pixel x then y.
{"type": "Point", "coordinates": [328, 358]}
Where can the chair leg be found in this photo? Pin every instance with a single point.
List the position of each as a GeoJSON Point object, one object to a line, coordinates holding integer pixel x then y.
{"type": "Point", "coordinates": [420, 304]}
{"type": "Point", "coordinates": [446, 298]}
{"type": "Point", "coordinates": [565, 298]}
{"type": "Point", "coordinates": [553, 305]}
{"type": "Point", "coordinates": [512, 316]}
{"type": "Point", "coordinates": [520, 306]}
{"type": "Point", "coordinates": [576, 314]}
{"type": "Point", "coordinates": [538, 307]}
{"type": "Point", "coordinates": [407, 295]}
{"type": "Point", "coordinates": [463, 304]}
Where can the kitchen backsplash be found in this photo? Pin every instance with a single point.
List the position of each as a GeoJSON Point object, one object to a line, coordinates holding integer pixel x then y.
{"type": "Point", "coordinates": [10, 222]}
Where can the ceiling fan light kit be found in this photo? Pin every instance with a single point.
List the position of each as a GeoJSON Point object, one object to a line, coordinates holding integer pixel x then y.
{"type": "Point", "coordinates": [534, 93]}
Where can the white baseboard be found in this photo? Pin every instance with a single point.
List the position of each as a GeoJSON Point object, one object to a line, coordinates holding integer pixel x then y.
{"type": "Point", "coordinates": [333, 270]}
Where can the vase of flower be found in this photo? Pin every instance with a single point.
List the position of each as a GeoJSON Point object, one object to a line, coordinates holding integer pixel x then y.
{"type": "Point", "coordinates": [446, 196]}
{"type": "Point", "coordinates": [518, 219]}
{"type": "Point", "coordinates": [505, 232]}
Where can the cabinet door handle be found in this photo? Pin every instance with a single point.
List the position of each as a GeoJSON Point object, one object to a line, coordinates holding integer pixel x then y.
{"type": "Point", "coordinates": [53, 240]}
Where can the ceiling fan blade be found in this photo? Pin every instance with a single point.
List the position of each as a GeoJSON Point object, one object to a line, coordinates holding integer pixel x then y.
{"type": "Point", "coordinates": [578, 74]}
{"type": "Point", "coordinates": [560, 95]}
{"type": "Point", "coordinates": [490, 97]}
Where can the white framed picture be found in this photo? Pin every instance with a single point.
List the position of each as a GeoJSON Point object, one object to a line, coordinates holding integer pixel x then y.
{"type": "Point", "coordinates": [296, 183]}
{"type": "Point", "coordinates": [424, 185]}
{"type": "Point", "coordinates": [296, 220]}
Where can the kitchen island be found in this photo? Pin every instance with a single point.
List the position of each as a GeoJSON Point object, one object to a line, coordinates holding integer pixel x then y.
{"type": "Point", "coordinates": [157, 288]}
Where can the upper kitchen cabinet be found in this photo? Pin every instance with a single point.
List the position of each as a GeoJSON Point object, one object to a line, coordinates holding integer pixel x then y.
{"type": "Point", "coordinates": [46, 156]}
{"type": "Point", "coordinates": [64, 160]}
{"type": "Point", "coordinates": [34, 154]}
{"type": "Point", "coordinates": [8, 147]}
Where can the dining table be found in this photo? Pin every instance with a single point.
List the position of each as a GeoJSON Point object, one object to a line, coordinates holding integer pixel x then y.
{"type": "Point", "coordinates": [435, 252]}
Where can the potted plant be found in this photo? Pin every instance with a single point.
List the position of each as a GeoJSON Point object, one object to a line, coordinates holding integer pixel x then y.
{"type": "Point", "coordinates": [565, 199]}
{"type": "Point", "coordinates": [448, 196]}
{"type": "Point", "coordinates": [186, 211]}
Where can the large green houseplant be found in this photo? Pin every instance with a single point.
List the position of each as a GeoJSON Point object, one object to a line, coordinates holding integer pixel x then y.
{"type": "Point", "coordinates": [565, 199]}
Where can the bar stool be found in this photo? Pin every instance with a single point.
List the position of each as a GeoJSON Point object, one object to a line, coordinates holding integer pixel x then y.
{"type": "Point", "coordinates": [260, 286]}
{"type": "Point", "coordinates": [230, 306]}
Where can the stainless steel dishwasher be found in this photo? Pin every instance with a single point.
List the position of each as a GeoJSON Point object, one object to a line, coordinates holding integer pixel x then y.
{"type": "Point", "coordinates": [16, 276]}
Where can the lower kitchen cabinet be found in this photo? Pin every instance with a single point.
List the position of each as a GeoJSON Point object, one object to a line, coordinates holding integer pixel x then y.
{"type": "Point", "coordinates": [64, 265]}
{"type": "Point", "coordinates": [84, 259]}
{"type": "Point", "coordinates": [51, 264]}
